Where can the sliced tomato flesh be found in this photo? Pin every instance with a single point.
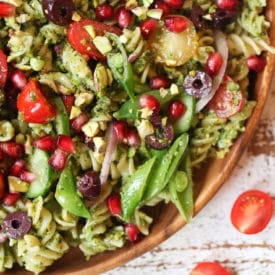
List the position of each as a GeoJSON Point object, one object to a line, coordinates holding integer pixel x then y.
{"type": "Point", "coordinates": [228, 99]}
{"type": "Point", "coordinates": [82, 41]}
{"type": "Point", "coordinates": [7, 10]}
{"type": "Point", "coordinates": [252, 211]}
{"type": "Point", "coordinates": [34, 107]}
{"type": "Point", "coordinates": [3, 68]}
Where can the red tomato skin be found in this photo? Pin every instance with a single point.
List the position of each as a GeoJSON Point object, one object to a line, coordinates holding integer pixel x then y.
{"type": "Point", "coordinates": [3, 69]}
{"type": "Point", "coordinates": [252, 211]}
{"type": "Point", "coordinates": [2, 185]}
{"type": "Point", "coordinates": [33, 105]}
{"type": "Point", "coordinates": [222, 102]}
{"type": "Point", "coordinates": [209, 268]}
{"type": "Point", "coordinates": [7, 10]}
{"type": "Point", "coordinates": [77, 35]}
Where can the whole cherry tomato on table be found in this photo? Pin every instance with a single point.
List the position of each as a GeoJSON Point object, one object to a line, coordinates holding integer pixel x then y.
{"type": "Point", "coordinates": [34, 107]}
{"type": "Point", "coordinates": [3, 68]}
{"type": "Point", "coordinates": [209, 268]}
{"type": "Point", "coordinates": [252, 211]}
{"type": "Point", "coordinates": [82, 41]}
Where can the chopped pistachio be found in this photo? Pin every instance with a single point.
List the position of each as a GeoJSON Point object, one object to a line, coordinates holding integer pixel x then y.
{"type": "Point", "coordinates": [103, 44]}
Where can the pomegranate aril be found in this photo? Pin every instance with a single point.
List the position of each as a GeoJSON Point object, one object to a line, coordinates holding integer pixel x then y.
{"type": "Point", "coordinates": [78, 122]}
{"type": "Point", "coordinates": [214, 63]}
{"type": "Point", "coordinates": [256, 63]}
{"type": "Point", "coordinates": [150, 102]}
{"type": "Point", "coordinates": [58, 160]}
{"type": "Point", "coordinates": [17, 168]}
{"type": "Point", "coordinates": [105, 12]}
{"type": "Point", "coordinates": [159, 81]}
{"type": "Point", "coordinates": [68, 101]}
{"type": "Point", "coordinates": [227, 4]}
{"type": "Point", "coordinates": [46, 143]}
{"type": "Point", "coordinates": [10, 199]}
{"type": "Point", "coordinates": [11, 149]}
{"type": "Point", "coordinates": [175, 4]}
{"type": "Point", "coordinates": [27, 176]}
{"type": "Point", "coordinates": [148, 26]}
{"type": "Point", "coordinates": [124, 17]}
{"type": "Point", "coordinates": [132, 232]}
{"type": "Point", "coordinates": [120, 129]}
{"type": "Point", "coordinates": [7, 10]}
{"type": "Point", "coordinates": [114, 204]}
{"type": "Point", "coordinates": [66, 144]}
{"type": "Point", "coordinates": [133, 139]}
{"type": "Point", "coordinates": [176, 109]}
{"type": "Point", "coordinates": [162, 6]}
{"type": "Point", "coordinates": [175, 23]}
{"type": "Point", "coordinates": [18, 79]}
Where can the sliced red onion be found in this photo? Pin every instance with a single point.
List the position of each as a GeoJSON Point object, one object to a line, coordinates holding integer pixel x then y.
{"type": "Point", "coordinates": [111, 144]}
{"type": "Point", "coordinates": [133, 57]}
{"type": "Point", "coordinates": [222, 48]}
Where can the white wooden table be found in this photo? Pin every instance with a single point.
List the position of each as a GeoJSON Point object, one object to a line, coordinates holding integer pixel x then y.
{"type": "Point", "coordinates": [210, 236]}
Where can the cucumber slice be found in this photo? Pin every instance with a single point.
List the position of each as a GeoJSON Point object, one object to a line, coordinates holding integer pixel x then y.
{"type": "Point", "coordinates": [61, 122]}
{"type": "Point", "coordinates": [44, 174]}
{"type": "Point", "coordinates": [184, 123]}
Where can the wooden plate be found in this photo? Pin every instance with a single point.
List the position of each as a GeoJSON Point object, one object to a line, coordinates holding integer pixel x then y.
{"type": "Point", "coordinates": [166, 218]}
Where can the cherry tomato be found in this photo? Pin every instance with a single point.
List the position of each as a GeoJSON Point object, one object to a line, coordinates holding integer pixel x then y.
{"type": "Point", "coordinates": [82, 41]}
{"type": "Point", "coordinates": [252, 211]}
{"type": "Point", "coordinates": [228, 99]}
{"type": "Point", "coordinates": [3, 68]}
{"type": "Point", "coordinates": [7, 10]}
{"type": "Point", "coordinates": [33, 105]}
{"type": "Point", "coordinates": [209, 268]}
{"type": "Point", "coordinates": [2, 185]}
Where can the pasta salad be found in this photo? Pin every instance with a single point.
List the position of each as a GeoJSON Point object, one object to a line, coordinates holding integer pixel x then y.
{"type": "Point", "coordinates": [106, 107]}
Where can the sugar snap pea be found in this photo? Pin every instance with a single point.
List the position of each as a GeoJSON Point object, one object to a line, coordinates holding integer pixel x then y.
{"type": "Point", "coordinates": [132, 190]}
{"type": "Point", "coordinates": [183, 199]}
{"type": "Point", "coordinates": [67, 196]}
{"type": "Point", "coordinates": [165, 168]}
{"type": "Point", "coordinates": [61, 122]}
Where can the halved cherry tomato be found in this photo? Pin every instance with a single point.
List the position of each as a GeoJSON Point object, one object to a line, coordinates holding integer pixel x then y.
{"type": "Point", "coordinates": [33, 105]}
{"type": "Point", "coordinates": [209, 268]}
{"type": "Point", "coordinates": [3, 68]}
{"type": "Point", "coordinates": [2, 185]}
{"type": "Point", "coordinates": [82, 41]}
{"type": "Point", "coordinates": [228, 100]}
{"type": "Point", "coordinates": [252, 211]}
{"type": "Point", "coordinates": [7, 10]}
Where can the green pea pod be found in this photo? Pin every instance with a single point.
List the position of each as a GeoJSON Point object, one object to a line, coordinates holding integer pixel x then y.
{"type": "Point", "coordinates": [67, 196]}
{"type": "Point", "coordinates": [183, 199]}
{"type": "Point", "coordinates": [61, 122]}
{"type": "Point", "coordinates": [129, 110]}
{"type": "Point", "coordinates": [165, 168]}
{"type": "Point", "coordinates": [133, 189]}
{"type": "Point", "coordinates": [124, 75]}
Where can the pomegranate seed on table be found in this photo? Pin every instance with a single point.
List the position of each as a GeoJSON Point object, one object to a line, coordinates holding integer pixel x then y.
{"type": "Point", "coordinates": [114, 204]}
{"type": "Point", "coordinates": [46, 143]}
{"type": "Point", "coordinates": [228, 5]}
{"type": "Point", "coordinates": [120, 129]}
{"type": "Point", "coordinates": [160, 81]}
{"type": "Point", "coordinates": [132, 232]}
{"type": "Point", "coordinates": [68, 101]}
{"type": "Point", "coordinates": [11, 149]}
{"type": "Point", "coordinates": [150, 102]}
{"type": "Point", "coordinates": [175, 23]}
{"type": "Point", "coordinates": [105, 12]}
{"type": "Point", "coordinates": [58, 160]}
{"type": "Point", "coordinates": [175, 4]}
{"type": "Point", "coordinates": [27, 176]}
{"type": "Point", "coordinates": [17, 168]}
{"type": "Point", "coordinates": [214, 63]}
{"type": "Point", "coordinates": [78, 122]}
{"type": "Point", "coordinates": [10, 199]}
{"type": "Point", "coordinates": [124, 17]}
{"type": "Point", "coordinates": [65, 143]}
{"type": "Point", "coordinates": [18, 79]}
{"type": "Point", "coordinates": [133, 139]}
{"type": "Point", "coordinates": [148, 26]}
{"type": "Point", "coordinates": [256, 63]}
{"type": "Point", "coordinates": [7, 10]}
{"type": "Point", "coordinates": [162, 6]}
{"type": "Point", "coordinates": [176, 109]}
